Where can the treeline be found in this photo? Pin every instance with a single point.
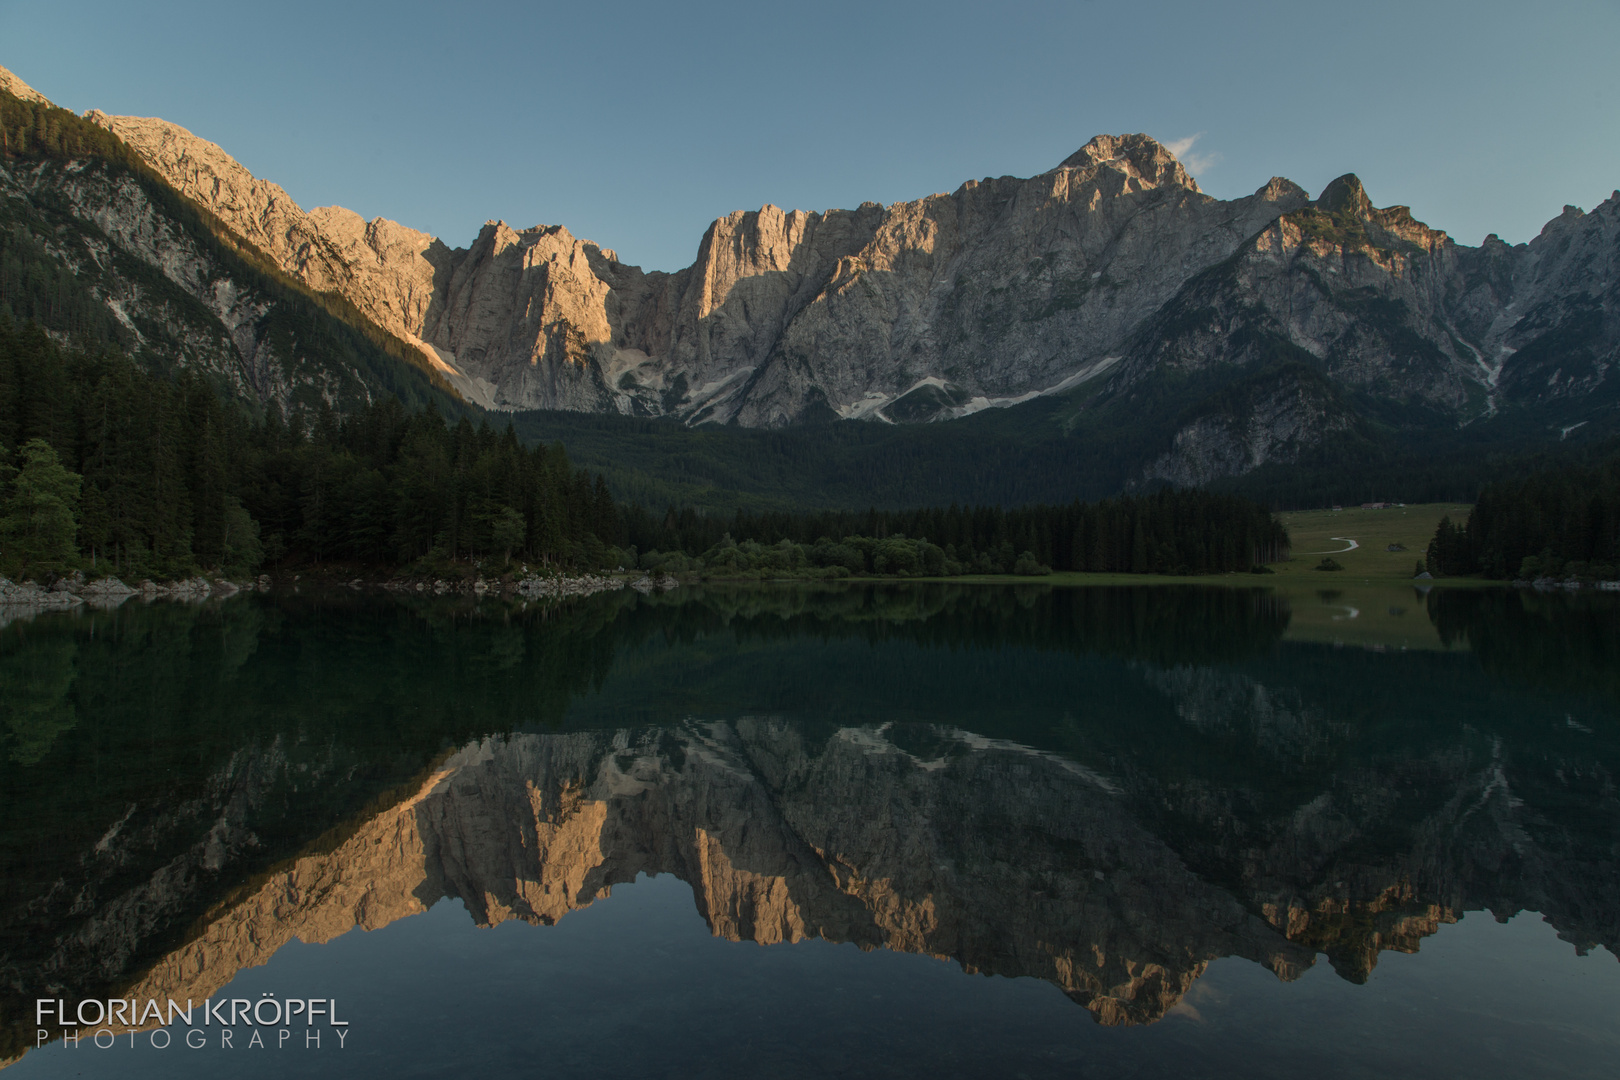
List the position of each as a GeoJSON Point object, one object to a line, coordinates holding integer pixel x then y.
{"type": "Point", "coordinates": [1168, 532]}
{"type": "Point", "coordinates": [107, 467]}
{"type": "Point", "coordinates": [1560, 522]}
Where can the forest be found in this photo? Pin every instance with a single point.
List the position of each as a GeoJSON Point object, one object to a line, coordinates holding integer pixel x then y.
{"type": "Point", "coordinates": [1042, 451]}
{"type": "Point", "coordinates": [1561, 521]}
{"type": "Point", "coordinates": [106, 467]}
{"type": "Point", "coordinates": [1165, 532]}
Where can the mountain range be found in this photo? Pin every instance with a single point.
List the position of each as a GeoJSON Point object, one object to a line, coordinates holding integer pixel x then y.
{"type": "Point", "coordinates": [1106, 307]}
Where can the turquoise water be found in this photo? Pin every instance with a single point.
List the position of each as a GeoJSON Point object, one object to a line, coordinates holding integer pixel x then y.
{"type": "Point", "coordinates": [819, 832]}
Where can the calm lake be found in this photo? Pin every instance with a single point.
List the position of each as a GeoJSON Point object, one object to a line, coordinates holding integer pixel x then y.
{"type": "Point", "coordinates": [792, 831]}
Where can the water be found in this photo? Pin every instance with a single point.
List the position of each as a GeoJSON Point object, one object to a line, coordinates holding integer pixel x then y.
{"type": "Point", "coordinates": [824, 832]}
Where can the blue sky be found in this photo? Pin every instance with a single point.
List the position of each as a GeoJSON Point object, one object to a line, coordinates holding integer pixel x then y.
{"type": "Point", "coordinates": [637, 124]}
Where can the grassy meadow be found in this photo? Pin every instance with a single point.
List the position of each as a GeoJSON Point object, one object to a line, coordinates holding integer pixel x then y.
{"type": "Point", "coordinates": [1327, 533]}
{"type": "Point", "coordinates": [1372, 603]}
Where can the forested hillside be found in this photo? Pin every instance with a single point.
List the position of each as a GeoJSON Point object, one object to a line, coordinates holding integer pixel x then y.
{"type": "Point", "coordinates": [1559, 522]}
{"type": "Point", "coordinates": [105, 466]}
{"type": "Point", "coordinates": [1038, 452]}
{"type": "Point", "coordinates": [109, 468]}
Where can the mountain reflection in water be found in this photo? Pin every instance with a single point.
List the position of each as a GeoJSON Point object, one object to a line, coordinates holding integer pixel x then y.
{"type": "Point", "coordinates": [1106, 789]}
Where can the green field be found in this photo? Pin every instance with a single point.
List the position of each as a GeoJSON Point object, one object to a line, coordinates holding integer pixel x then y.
{"type": "Point", "coordinates": [1372, 603]}
{"type": "Point", "coordinates": [1329, 533]}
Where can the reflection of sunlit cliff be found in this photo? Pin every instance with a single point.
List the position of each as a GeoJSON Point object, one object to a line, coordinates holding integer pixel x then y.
{"type": "Point", "coordinates": [1008, 861]}
{"type": "Point", "coordinates": [1229, 811]}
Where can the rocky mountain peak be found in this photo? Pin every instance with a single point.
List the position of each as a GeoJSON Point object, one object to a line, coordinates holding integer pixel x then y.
{"type": "Point", "coordinates": [19, 89]}
{"type": "Point", "coordinates": [1112, 265]}
{"type": "Point", "coordinates": [1345, 194]}
{"type": "Point", "coordinates": [1388, 227]}
{"type": "Point", "coordinates": [1282, 189]}
{"type": "Point", "coordinates": [1140, 156]}
{"type": "Point", "coordinates": [259, 211]}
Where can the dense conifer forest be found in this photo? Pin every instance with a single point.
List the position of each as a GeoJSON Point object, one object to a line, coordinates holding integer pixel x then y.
{"type": "Point", "coordinates": [1167, 532]}
{"type": "Point", "coordinates": [110, 468]}
{"type": "Point", "coordinates": [1560, 522]}
{"type": "Point", "coordinates": [106, 467]}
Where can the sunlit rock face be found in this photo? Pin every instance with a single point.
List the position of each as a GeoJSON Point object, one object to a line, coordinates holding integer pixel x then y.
{"type": "Point", "coordinates": [1113, 266]}
{"type": "Point", "coordinates": [1229, 334]}
{"type": "Point", "coordinates": [1005, 288]}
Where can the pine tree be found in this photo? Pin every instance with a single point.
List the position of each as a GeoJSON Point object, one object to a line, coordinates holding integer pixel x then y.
{"type": "Point", "coordinates": [40, 519]}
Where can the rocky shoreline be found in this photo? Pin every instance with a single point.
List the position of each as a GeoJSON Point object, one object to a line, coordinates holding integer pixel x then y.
{"type": "Point", "coordinates": [530, 587]}
{"type": "Point", "coordinates": [1549, 584]}
{"type": "Point", "coordinates": [105, 593]}
{"type": "Point", "coordinates": [73, 590]}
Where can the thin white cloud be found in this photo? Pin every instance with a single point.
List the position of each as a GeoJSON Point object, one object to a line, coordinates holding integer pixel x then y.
{"type": "Point", "coordinates": [1183, 149]}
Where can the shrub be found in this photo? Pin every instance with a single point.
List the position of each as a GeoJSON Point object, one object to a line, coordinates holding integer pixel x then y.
{"type": "Point", "coordinates": [1028, 566]}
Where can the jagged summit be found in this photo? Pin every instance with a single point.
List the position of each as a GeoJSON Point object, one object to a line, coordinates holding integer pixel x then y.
{"type": "Point", "coordinates": [1280, 188]}
{"type": "Point", "coordinates": [1140, 156]}
{"type": "Point", "coordinates": [1345, 193]}
{"type": "Point", "coordinates": [1111, 269]}
{"type": "Point", "coordinates": [1390, 225]}
{"type": "Point", "coordinates": [19, 89]}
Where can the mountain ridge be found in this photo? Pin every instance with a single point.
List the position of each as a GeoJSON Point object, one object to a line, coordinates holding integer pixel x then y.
{"type": "Point", "coordinates": [610, 337]}
{"type": "Point", "coordinates": [102, 251]}
{"type": "Point", "coordinates": [1210, 337]}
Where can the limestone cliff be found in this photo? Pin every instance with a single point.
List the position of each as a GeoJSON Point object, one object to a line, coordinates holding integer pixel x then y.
{"type": "Point", "coordinates": [1226, 334]}
{"type": "Point", "coordinates": [138, 266]}
{"type": "Point", "coordinates": [1004, 289]}
{"type": "Point", "coordinates": [381, 267]}
{"type": "Point", "coordinates": [19, 89]}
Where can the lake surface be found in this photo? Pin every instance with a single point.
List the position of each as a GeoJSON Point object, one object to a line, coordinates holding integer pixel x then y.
{"type": "Point", "coordinates": [810, 831]}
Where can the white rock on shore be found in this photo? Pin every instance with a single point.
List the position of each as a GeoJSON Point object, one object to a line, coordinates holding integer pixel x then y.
{"type": "Point", "coordinates": [106, 587]}
{"type": "Point", "coordinates": [535, 586]}
{"type": "Point", "coordinates": [30, 594]}
{"type": "Point", "coordinates": [104, 593]}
